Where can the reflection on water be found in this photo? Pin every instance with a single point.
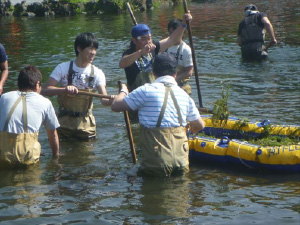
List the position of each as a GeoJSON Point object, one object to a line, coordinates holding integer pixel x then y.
{"type": "Point", "coordinates": [96, 183]}
{"type": "Point", "coordinates": [167, 198]}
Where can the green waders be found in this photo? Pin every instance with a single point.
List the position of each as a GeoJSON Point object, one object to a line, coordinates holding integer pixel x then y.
{"type": "Point", "coordinates": [184, 84]}
{"type": "Point", "coordinates": [19, 150]}
{"type": "Point", "coordinates": [165, 150]}
{"type": "Point", "coordinates": [142, 78]}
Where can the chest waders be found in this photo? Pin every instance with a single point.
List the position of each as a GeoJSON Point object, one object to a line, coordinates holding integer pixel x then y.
{"type": "Point", "coordinates": [184, 84]}
{"type": "Point", "coordinates": [19, 150]}
{"type": "Point", "coordinates": [143, 77]}
{"type": "Point", "coordinates": [165, 150]}
{"type": "Point", "coordinates": [76, 112]}
{"type": "Point", "coordinates": [253, 36]}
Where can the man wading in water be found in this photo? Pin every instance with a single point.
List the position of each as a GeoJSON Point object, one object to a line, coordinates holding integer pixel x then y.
{"type": "Point", "coordinates": [137, 60]}
{"type": "Point", "coordinates": [164, 110]}
{"type": "Point", "coordinates": [251, 34]}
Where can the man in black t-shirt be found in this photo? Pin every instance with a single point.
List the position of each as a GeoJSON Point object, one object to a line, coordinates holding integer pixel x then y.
{"type": "Point", "coordinates": [137, 60]}
{"type": "Point", "coordinates": [251, 34]}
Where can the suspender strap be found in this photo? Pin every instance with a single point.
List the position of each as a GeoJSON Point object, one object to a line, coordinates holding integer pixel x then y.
{"type": "Point", "coordinates": [25, 122]}
{"type": "Point", "coordinates": [92, 77]}
{"type": "Point", "coordinates": [163, 109]}
{"type": "Point", "coordinates": [176, 106]}
{"type": "Point", "coordinates": [178, 51]}
{"type": "Point", "coordinates": [70, 73]}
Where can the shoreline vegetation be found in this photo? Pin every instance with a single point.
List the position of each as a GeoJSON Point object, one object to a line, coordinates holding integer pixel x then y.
{"type": "Point", "coordinates": [77, 7]}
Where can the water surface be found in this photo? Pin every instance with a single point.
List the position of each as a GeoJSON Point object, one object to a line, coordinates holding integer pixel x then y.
{"type": "Point", "coordinates": [96, 182]}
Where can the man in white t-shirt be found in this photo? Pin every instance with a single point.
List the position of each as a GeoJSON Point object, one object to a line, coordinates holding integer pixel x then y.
{"type": "Point", "coordinates": [75, 111]}
{"type": "Point", "coordinates": [164, 110]}
{"type": "Point", "coordinates": [22, 113]}
{"type": "Point", "coordinates": [183, 54]}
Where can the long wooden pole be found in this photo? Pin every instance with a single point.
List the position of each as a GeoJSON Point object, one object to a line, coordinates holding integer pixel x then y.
{"type": "Point", "coordinates": [131, 14]}
{"type": "Point", "coordinates": [193, 56]}
{"type": "Point", "coordinates": [94, 94]}
{"type": "Point", "coordinates": [129, 132]}
{"type": "Point", "coordinates": [201, 109]}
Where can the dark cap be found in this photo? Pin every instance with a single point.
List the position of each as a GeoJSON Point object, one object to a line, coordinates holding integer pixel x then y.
{"type": "Point", "coordinates": [140, 30]}
{"type": "Point", "coordinates": [250, 7]}
{"type": "Point", "coordinates": [164, 64]}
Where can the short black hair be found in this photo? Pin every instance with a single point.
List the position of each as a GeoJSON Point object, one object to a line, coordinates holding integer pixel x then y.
{"type": "Point", "coordinates": [85, 40]}
{"type": "Point", "coordinates": [28, 78]}
{"type": "Point", "coordinates": [250, 7]}
{"type": "Point", "coordinates": [174, 23]}
{"type": "Point", "coordinates": [164, 64]}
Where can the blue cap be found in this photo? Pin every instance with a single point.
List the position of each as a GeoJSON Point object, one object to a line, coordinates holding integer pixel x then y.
{"type": "Point", "coordinates": [140, 30]}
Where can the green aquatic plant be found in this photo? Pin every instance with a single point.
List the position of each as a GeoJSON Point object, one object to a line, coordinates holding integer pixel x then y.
{"type": "Point", "coordinates": [220, 111]}
{"type": "Point", "coordinates": [270, 141]}
{"type": "Point", "coordinates": [243, 122]}
{"type": "Point", "coordinates": [273, 141]}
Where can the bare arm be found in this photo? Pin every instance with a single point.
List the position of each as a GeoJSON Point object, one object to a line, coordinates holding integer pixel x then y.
{"type": "Point", "coordinates": [53, 141]}
{"type": "Point", "coordinates": [184, 73]}
{"type": "Point", "coordinates": [50, 89]}
{"type": "Point", "coordinates": [105, 101]}
{"type": "Point", "coordinates": [270, 30]}
{"type": "Point", "coordinates": [239, 40]}
{"type": "Point", "coordinates": [119, 104]}
{"type": "Point", "coordinates": [4, 75]}
{"type": "Point", "coordinates": [127, 60]}
{"type": "Point", "coordinates": [197, 125]}
{"type": "Point", "coordinates": [176, 36]}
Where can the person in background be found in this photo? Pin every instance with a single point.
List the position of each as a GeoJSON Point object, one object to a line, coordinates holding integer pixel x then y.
{"type": "Point", "coordinates": [22, 113]}
{"type": "Point", "coordinates": [3, 68]}
{"type": "Point", "coordinates": [183, 54]}
{"type": "Point", "coordinates": [251, 34]}
{"type": "Point", "coordinates": [164, 110]}
{"type": "Point", "coordinates": [76, 111]}
{"type": "Point", "coordinates": [137, 60]}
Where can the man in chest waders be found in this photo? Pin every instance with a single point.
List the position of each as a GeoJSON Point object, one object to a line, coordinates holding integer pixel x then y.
{"type": "Point", "coordinates": [163, 110]}
{"type": "Point", "coordinates": [251, 34]}
{"type": "Point", "coordinates": [75, 111]}
{"type": "Point", "coordinates": [183, 54]}
{"type": "Point", "coordinates": [137, 60]}
{"type": "Point", "coordinates": [22, 113]}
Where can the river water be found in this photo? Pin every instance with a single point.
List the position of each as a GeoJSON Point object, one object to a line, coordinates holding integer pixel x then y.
{"type": "Point", "coordinates": [96, 183]}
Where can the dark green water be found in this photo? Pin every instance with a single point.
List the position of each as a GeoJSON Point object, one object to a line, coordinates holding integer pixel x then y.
{"type": "Point", "coordinates": [96, 183]}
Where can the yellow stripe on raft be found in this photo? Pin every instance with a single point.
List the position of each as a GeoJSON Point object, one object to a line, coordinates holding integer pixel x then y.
{"type": "Point", "coordinates": [281, 155]}
{"type": "Point", "coordinates": [236, 124]}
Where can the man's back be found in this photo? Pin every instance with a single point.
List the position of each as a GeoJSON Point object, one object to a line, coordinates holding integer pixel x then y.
{"type": "Point", "coordinates": [39, 110]}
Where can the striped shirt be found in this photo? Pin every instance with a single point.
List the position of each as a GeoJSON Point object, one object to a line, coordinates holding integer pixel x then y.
{"type": "Point", "coordinates": [148, 100]}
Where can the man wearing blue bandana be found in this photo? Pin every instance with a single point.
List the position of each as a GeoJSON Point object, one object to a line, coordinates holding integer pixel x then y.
{"type": "Point", "coordinates": [137, 60]}
{"type": "Point", "coordinates": [251, 34]}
